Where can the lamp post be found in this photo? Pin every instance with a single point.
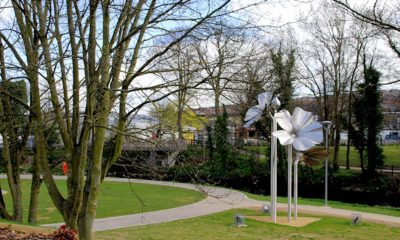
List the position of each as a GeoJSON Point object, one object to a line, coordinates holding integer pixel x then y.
{"type": "Point", "coordinates": [327, 125]}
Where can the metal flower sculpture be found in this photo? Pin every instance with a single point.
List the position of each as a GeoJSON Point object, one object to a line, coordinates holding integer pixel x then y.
{"type": "Point", "coordinates": [255, 112]}
{"type": "Point", "coordinates": [300, 129]}
{"type": "Point", "coordinates": [300, 132]}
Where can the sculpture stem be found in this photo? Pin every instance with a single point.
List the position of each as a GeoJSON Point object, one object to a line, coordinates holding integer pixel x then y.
{"type": "Point", "coordinates": [289, 182]}
{"type": "Point", "coordinates": [296, 176]}
{"type": "Point", "coordinates": [272, 160]}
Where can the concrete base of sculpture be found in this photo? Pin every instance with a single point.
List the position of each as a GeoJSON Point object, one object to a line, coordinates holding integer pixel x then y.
{"type": "Point", "coordinates": [282, 220]}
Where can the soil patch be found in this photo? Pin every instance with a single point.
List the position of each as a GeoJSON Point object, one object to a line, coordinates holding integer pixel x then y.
{"type": "Point", "coordinates": [282, 220]}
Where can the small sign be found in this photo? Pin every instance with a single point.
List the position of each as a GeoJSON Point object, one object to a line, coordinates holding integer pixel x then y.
{"type": "Point", "coordinates": [356, 218]}
{"type": "Point", "coordinates": [239, 220]}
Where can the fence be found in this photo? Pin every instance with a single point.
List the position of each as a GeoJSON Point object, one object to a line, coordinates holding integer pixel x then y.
{"type": "Point", "coordinates": [390, 141]}
{"type": "Point", "coordinates": [392, 170]}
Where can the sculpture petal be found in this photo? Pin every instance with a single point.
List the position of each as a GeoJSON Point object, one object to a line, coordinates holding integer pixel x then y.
{"type": "Point", "coordinates": [251, 121]}
{"type": "Point", "coordinates": [312, 132]}
{"type": "Point", "coordinates": [264, 99]}
{"type": "Point", "coordinates": [283, 118]}
{"type": "Point", "coordinates": [303, 143]}
{"type": "Point", "coordinates": [301, 118]}
{"type": "Point", "coordinates": [284, 137]}
{"type": "Point", "coordinates": [312, 127]}
{"type": "Point", "coordinates": [253, 112]}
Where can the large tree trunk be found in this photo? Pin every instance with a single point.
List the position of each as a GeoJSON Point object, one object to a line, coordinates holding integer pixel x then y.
{"type": "Point", "coordinates": [94, 178]}
{"type": "Point", "coordinates": [35, 188]}
{"type": "Point", "coordinates": [4, 132]}
{"type": "Point", "coordinates": [13, 181]}
{"type": "Point", "coordinates": [92, 186]}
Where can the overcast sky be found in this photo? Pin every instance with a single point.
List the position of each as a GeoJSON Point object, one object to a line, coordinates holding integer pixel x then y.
{"type": "Point", "coordinates": [272, 15]}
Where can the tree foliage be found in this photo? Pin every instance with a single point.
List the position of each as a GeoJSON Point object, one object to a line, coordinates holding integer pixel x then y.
{"type": "Point", "coordinates": [283, 73]}
{"type": "Point", "coordinates": [368, 121]}
{"type": "Point", "coordinates": [221, 134]}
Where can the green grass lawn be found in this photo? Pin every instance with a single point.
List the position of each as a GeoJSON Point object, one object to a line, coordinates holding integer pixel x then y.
{"type": "Point", "coordinates": [386, 210]}
{"type": "Point", "coordinates": [220, 226]}
{"type": "Point", "coordinates": [115, 199]}
{"type": "Point", "coordinates": [391, 153]}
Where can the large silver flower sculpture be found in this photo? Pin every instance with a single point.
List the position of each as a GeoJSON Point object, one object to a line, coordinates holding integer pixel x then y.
{"type": "Point", "coordinates": [300, 129]}
{"type": "Point", "coordinates": [255, 112]}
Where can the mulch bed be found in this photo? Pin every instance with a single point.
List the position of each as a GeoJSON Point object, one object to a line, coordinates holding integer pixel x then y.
{"type": "Point", "coordinates": [7, 233]}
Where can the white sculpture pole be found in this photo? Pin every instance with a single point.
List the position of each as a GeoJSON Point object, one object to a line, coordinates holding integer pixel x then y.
{"type": "Point", "coordinates": [275, 169]}
{"type": "Point", "coordinates": [289, 157]}
{"type": "Point", "coordinates": [275, 103]}
{"type": "Point", "coordinates": [272, 172]}
{"type": "Point", "coordinates": [295, 184]}
{"type": "Point", "coordinates": [252, 115]}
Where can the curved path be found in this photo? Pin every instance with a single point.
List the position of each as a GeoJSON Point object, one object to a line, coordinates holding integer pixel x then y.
{"type": "Point", "coordinates": [218, 199]}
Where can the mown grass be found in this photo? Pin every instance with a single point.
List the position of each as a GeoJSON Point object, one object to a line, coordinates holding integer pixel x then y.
{"type": "Point", "coordinates": [391, 153]}
{"type": "Point", "coordinates": [385, 210]}
{"type": "Point", "coordinates": [115, 199]}
{"type": "Point", "coordinates": [220, 226]}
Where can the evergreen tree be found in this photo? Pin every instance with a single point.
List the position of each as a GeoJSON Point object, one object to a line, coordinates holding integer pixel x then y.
{"type": "Point", "coordinates": [221, 140]}
{"type": "Point", "coordinates": [358, 129]}
{"type": "Point", "coordinates": [374, 118]}
{"type": "Point", "coordinates": [283, 73]}
{"type": "Point", "coordinates": [368, 121]}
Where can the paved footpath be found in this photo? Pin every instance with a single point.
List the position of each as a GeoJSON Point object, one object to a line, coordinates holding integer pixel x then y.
{"type": "Point", "coordinates": [218, 199]}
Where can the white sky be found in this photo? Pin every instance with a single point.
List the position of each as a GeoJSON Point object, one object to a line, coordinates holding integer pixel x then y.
{"type": "Point", "coordinates": [272, 14]}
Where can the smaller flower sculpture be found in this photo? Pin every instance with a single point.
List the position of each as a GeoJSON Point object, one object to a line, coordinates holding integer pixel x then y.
{"type": "Point", "coordinates": [300, 129]}
{"type": "Point", "coordinates": [255, 112]}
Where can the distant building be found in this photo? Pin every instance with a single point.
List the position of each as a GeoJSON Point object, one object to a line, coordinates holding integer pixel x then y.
{"type": "Point", "coordinates": [235, 124]}
{"type": "Point", "coordinates": [390, 107]}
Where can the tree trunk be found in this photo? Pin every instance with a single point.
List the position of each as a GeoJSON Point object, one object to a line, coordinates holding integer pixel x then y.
{"type": "Point", "coordinates": [336, 148]}
{"type": "Point", "coordinates": [348, 129]}
{"type": "Point", "coordinates": [35, 188]}
{"type": "Point", "coordinates": [94, 177]}
{"type": "Point", "coordinates": [3, 211]}
{"type": "Point", "coordinates": [348, 154]}
{"type": "Point", "coordinates": [217, 103]}
{"type": "Point", "coordinates": [179, 122]}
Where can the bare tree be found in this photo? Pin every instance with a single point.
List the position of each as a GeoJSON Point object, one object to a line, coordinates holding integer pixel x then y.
{"type": "Point", "coordinates": [219, 56]}
{"type": "Point", "coordinates": [330, 61]}
{"type": "Point", "coordinates": [382, 15]}
{"type": "Point", "coordinates": [89, 67]}
{"type": "Point", "coordinates": [15, 132]}
{"type": "Point", "coordinates": [180, 70]}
